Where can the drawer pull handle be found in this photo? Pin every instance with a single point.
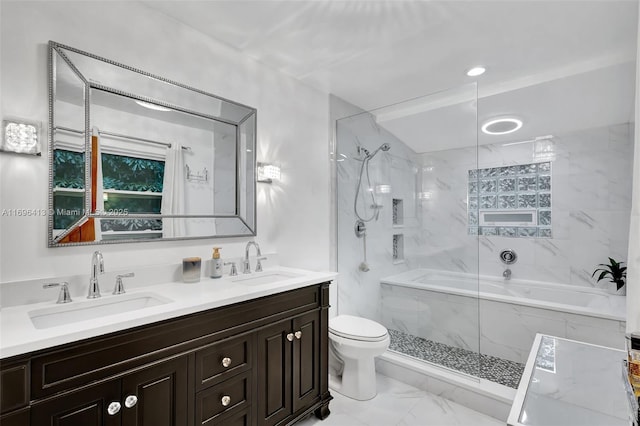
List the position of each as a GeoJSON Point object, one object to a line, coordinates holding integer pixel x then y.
{"type": "Point", "coordinates": [130, 401]}
{"type": "Point", "coordinates": [226, 400]}
{"type": "Point", "coordinates": [113, 408]}
{"type": "Point", "coordinates": [226, 362]}
{"type": "Point", "coordinates": [298, 334]}
{"type": "Point", "coordinates": [290, 337]}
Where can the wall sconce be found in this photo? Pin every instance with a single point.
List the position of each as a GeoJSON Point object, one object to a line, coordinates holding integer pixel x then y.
{"type": "Point", "coordinates": [268, 172]}
{"type": "Point", "coordinates": [20, 136]}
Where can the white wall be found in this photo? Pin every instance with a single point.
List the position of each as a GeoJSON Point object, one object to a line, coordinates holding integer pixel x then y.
{"type": "Point", "coordinates": [633, 273]}
{"type": "Point", "coordinates": [293, 215]}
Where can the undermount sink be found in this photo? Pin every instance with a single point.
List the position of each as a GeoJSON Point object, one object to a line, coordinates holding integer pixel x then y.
{"type": "Point", "coordinates": [91, 309]}
{"type": "Point", "coordinates": [269, 277]}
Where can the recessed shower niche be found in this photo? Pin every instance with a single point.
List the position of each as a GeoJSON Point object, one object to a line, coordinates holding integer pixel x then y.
{"type": "Point", "coordinates": [398, 248]}
{"type": "Point", "coordinates": [397, 212]}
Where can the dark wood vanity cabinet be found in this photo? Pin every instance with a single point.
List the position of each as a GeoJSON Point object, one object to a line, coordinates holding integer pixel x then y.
{"type": "Point", "coordinates": [289, 356]}
{"type": "Point", "coordinates": [14, 391]}
{"type": "Point", "coordinates": [87, 406]}
{"type": "Point", "coordinates": [260, 362]}
{"type": "Point", "coordinates": [157, 395]}
{"type": "Point", "coordinates": [153, 396]}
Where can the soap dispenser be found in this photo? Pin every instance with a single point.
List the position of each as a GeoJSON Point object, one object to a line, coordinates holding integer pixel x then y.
{"type": "Point", "coordinates": [216, 264]}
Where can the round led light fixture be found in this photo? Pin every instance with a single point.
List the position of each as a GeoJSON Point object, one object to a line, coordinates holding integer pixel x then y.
{"type": "Point", "coordinates": [476, 71]}
{"type": "Point", "coordinates": [501, 126]}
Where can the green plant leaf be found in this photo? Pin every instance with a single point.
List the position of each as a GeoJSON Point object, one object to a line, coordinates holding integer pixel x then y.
{"type": "Point", "coordinates": [603, 275]}
{"type": "Point", "coordinates": [596, 271]}
{"type": "Point", "coordinates": [615, 270]}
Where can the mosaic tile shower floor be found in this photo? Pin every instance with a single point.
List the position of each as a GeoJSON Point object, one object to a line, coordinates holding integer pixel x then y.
{"type": "Point", "coordinates": [498, 370]}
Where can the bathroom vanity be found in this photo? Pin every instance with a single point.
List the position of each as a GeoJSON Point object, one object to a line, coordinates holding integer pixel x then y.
{"type": "Point", "coordinates": [259, 361]}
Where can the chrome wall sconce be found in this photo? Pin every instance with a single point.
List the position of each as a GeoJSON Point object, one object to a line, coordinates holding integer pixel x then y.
{"type": "Point", "coordinates": [268, 172]}
{"type": "Point", "coordinates": [20, 136]}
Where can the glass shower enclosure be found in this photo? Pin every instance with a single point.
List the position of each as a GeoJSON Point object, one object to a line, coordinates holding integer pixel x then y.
{"type": "Point", "coordinates": [408, 248]}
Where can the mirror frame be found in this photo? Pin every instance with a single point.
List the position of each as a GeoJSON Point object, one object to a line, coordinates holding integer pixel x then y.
{"type": "Point", "coordinates": [249, 220]}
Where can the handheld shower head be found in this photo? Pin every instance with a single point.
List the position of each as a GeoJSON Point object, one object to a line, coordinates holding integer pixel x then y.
{"type": "Point", "coordinates": [383, 147]}
{"type": "Point", "coordinates": [364, 170]}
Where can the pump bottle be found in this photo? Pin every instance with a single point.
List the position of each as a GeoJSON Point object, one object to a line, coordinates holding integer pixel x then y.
{"type": "Point", "coordinates": [216, 264]}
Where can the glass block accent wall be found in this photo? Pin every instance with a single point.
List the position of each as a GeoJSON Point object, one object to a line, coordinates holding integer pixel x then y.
{"type": "Point", "coordinates": [520, 196]}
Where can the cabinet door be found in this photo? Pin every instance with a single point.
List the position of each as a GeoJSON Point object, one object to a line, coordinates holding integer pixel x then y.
{"type": "Point", "coordinates": [306, 360]}
{"type": "Point", "coordinates": [274, 373]}
{"type": "Point", "coordinates": [156, 396]}
{"type": "Point", "coordinates": [86, 407]}
{"type": "Point", "coordinates": [17, 418]}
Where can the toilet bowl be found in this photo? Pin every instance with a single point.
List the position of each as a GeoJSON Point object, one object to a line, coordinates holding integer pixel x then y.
{"type": "Point", "coordinates": [354, 342]}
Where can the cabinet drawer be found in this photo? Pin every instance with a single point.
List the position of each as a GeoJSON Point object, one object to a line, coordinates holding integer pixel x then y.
{"type": "Point", "coordinates": [224, 359]}
{"type": "Point", "coordinates": [14, 385]}
{"type": "Point", "coordinates": [242, 418]}
{"type": "Point", "coordinates": [213, 404]}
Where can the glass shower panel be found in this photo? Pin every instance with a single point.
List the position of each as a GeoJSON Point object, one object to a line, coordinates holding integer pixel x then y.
{"type": "Point", "coordinates": [563, 203]}
{"type": "Point", "coordinates": [407, 253]}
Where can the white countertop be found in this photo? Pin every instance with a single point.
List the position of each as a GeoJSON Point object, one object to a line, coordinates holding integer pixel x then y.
{"type": "Point", "coordinates": [18, 335]}
{"type": "Point", "coordinates": [566, 382]}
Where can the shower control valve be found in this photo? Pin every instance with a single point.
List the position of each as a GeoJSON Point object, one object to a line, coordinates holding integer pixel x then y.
{"type": "Point", "coordinates": [508, 257]}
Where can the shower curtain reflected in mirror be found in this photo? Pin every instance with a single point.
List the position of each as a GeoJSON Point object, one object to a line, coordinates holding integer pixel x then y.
{"type": "Point", "coordinates": [173, 191]}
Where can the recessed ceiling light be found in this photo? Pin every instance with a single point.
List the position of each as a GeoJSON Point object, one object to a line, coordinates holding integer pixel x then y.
{"type": "Point", "coordinates": [476, 71]}
{"type": "Point", "coordinates": [501, 126]}
{"type": "Point", "coordinates": [152, 106]}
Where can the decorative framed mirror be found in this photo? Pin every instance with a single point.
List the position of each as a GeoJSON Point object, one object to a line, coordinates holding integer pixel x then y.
{"type": "Point", "coordinates": [137, 157]}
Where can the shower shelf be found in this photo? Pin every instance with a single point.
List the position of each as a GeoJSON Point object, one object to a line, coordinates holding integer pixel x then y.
{"type": "Point", "coordinates": [398, 248]}
{"type": "Point", "coordinates": [397, 212]}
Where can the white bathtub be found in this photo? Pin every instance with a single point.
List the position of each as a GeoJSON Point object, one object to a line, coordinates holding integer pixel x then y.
{"type": "Point", "coordinates": [448, 307]}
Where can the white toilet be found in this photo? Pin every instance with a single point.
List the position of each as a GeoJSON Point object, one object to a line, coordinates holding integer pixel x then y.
{"type": "Point", "coordinates": [354, 342]}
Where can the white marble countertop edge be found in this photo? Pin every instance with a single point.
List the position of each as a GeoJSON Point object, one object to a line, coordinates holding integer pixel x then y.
{"type": "Point", "coordinates": [19, 336]}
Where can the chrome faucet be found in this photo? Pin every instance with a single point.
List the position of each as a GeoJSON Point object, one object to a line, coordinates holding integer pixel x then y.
{"type": "Point", "coordinates": [507, 274]}
{"type": "Point", "coordinates": [246, 267]}
{"type": "Point", "coordinates": [97, 267]}
{"type": "Point", "coordinates": [63, 296]}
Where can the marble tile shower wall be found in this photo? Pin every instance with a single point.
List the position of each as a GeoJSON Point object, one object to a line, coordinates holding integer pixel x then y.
{"type": "Point", "coordinates": [444, 239]}
{"type": "Point", "coordinates": [591, 194]}
{"type": "Point", "coordinates": [358, 291]}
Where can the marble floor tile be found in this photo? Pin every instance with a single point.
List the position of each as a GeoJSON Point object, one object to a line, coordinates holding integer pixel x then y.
{"type": "Point", "coordinates": [433, 410]}
{"type": "Point", "coordinates": [400, 404]}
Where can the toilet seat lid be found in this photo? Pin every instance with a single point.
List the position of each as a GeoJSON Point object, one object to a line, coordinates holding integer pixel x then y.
{"type": "Point", "coordinates": [357, 328]}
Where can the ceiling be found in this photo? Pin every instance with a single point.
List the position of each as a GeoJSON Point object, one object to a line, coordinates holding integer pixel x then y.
{"type": "Point", "coordinates": [543, 58]}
